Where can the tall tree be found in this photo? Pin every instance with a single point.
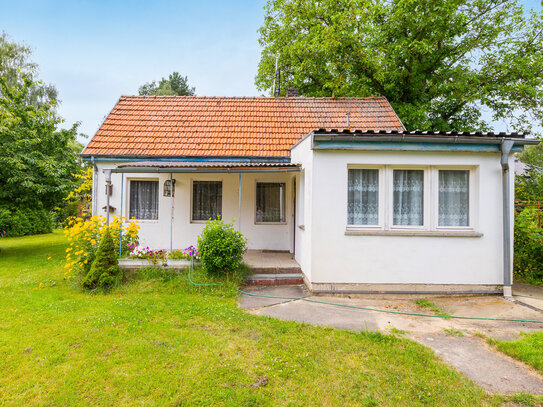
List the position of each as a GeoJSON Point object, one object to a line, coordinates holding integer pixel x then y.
{"type": "Point", "coordinates": [38, 159]}
{"type": "Point", "coordinates": [15, 63]}
{"type": "Point", "coordinates": [175, 84]}
{"type": "Point", "coordinates": [439, 63]}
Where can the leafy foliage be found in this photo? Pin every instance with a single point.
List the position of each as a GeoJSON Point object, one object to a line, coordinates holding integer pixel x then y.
{"type": "Point", "coordinates": [221, 247]}
{"type": "Point", "coordinates": [438, 63]}
{"type": "Point", "coordinates": [175, 84]}
{"type": "Point", "coordinates": [27, 221]}
{"type": "Point", "coordinates": [528, 258]}
{"type": "Point", "coordinates": [85, 236]}
{"type": "Point", "coordinates": [37, 162]}
{"type": "Point", "coordinates": [104, 271]}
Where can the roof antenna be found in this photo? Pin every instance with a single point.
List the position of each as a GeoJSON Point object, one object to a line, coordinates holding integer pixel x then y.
{"type": "Point", "coordinates": [277, 79]}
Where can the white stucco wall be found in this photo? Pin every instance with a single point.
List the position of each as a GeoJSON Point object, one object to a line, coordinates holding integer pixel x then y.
{"type": "Point", "coordinates": [156, 234]}
{"type": "Point", "coordinates": [339, 258]}
{"type": "Point", "coordinates": [302, 154]}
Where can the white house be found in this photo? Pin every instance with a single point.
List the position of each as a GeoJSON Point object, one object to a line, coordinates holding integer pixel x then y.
{"type": "Point", "coordinates": [362, 204]}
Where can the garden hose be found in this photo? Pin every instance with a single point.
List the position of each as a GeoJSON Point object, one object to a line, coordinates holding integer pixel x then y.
{"type": "Point", "coordinates": [367, 308]}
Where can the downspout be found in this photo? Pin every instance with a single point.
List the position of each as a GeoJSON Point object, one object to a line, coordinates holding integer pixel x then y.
{"type": "Point", "coordinates": [94, 197]}
{"type": "Point", "coordinates": [171, 211]}
{"type": "Point", "coordinates": [506, 147]}
{"type": "Point", "coordinates": [239, 203]}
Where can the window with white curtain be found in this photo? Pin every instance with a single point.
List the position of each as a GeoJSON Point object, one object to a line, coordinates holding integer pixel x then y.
{"type": "Point", "coordinates": [206, 200]}
{"type": "Point", "coordinates": [453, 198]}
{"type": "Point", "coordinates": [408, 198]}
{"type": "Point", "coordinates": [363, 197]}
{"type": "Point", "coordinates": [270, 202]}
{"type": "Point", "coordinates": [143, 200]}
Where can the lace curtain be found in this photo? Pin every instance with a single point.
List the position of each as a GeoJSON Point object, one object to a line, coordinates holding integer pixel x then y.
{"type": "Point", "coordinates": [206, 200]}
{"type": "Point", "coordinates": [270, 202]}
{"type": "Point", "coordinates": [453, 198]}
{"type": "Point", "coordinates": [408, 197]}
{"type": "Point", "coordinates": [363, 197]}
{"type": "Point", "coordinates": [144, 199]}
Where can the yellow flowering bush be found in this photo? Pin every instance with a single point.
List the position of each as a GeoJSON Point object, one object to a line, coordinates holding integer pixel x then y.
{"type": "Point", "coordinates": [85, 235]}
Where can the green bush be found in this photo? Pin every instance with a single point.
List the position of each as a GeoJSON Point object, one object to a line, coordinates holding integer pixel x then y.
{"type": "Point", "coordinates": [105, 271]}
{"type": "Point", "coordinates": [221, 247]}
{"type": "Point", "coordinates": [25, 221]}
{"type": "Point", "coordinates": [528, 258]}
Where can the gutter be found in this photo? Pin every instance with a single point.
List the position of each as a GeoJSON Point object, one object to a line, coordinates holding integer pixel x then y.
{"type": "Point", "coordinates": [154, 170]}
{"type": "Point", "coordinates": [506, 147]}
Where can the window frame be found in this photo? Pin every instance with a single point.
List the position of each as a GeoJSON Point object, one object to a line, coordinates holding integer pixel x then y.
{"type": "Point", "coordinates": [381, 196]}
{"type": "Point", "coordinates": [192, 181]}
{"type": "Point", "coordinates": [426, 195]}
{"type": "Point", "coordinates": [129, 201]}
{"type": "Point", "coordinates": [271, 181]}
{"type": "Point", "coordinates": [472, 199]}
{"type": "Point", "coordinates": [430, 224]}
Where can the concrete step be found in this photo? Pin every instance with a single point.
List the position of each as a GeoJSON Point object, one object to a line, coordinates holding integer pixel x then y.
{"type": "Point", "coordinates": [274, 279]}
{"type": "Point", "coordinates": [276, 270]}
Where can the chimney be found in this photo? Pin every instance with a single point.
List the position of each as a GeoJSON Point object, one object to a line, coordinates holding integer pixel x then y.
{"type": "Point", "coordinates": [292, 93]}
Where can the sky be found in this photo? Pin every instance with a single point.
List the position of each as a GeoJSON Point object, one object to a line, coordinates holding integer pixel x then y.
{"type": "Point", "coordinates": [96, 51]}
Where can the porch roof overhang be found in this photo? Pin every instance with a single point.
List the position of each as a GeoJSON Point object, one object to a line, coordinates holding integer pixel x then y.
{"type": "Point", "coordinates": [204, 167]}
{"type": "Point", "coordinates": [323, 139]}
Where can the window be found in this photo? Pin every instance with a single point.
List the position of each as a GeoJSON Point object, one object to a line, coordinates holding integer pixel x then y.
{"type": "Point", "coordinates": [453, 201]}
{"type": "Point", "coordinates": [408, 198]}
{"type": "Point", "coordinates": [270, 202]}
{"type": "Point", "coordinates": [144, 200]}
{"type": "Point", "coordinates": [433, 200]}
{"type": "Point", "coordinates": [363, 197]}
{"type": "Point", "coordinates": [206, 200]}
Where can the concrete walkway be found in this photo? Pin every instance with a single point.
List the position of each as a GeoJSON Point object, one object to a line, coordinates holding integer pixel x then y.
{"type": "Point", "coordinates": [468, 353]}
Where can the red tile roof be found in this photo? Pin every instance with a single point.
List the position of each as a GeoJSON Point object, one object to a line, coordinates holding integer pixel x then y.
{"type": "Point", "coordinates": [169, 126]}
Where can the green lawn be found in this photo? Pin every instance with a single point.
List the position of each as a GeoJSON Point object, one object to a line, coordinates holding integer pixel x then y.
{"type": "Point", "coordinates": [529, 349]}
{"type": "Point", "coordinates": [159, 341]}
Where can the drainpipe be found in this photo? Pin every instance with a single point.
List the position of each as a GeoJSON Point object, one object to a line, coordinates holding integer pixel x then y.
{"type": "Point", "coordinates": [506, 147]}
{"type": "Point", "coordinates": [94, 186]}
{"type": "Point", "coordinates": [107, 174]}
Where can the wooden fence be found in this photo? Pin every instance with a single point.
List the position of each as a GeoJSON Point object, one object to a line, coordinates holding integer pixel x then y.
{"type": "Point", "coordinates": [538, 205]}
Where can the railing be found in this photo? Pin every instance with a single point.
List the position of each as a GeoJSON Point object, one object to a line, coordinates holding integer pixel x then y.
{"type": "Point", "coordinates": [538, 205]}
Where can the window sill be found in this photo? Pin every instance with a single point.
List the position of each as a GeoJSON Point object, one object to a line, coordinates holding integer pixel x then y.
{"type": "Point", "coordinates": [430, 233]}
{"type": "Point", "coordinates": [270, 223]}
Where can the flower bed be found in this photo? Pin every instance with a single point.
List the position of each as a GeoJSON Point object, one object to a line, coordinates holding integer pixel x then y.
{"type": "Point", "coordinates": [140, 257]}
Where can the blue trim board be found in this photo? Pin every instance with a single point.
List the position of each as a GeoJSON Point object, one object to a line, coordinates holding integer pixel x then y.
{"type": "Point", "coordinates": [190, 159]}
{"type": "Point", "coordinates": [410, 146]}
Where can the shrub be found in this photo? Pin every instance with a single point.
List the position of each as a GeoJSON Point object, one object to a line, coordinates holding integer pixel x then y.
{"type": "Point", "coordinates": [528, 258]}
{"type": "Point", "coordinates": [105, 271]}
{"type": "Point", "coordinates": [221, 247]}
{"type": "Point", "coordinates": [85, 236]}
{"type": "Point", "coordinates": [25, 221]}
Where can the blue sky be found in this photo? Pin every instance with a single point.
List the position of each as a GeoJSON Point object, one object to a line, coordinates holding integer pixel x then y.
{"type": "Point", "coordinates": [95, 51]}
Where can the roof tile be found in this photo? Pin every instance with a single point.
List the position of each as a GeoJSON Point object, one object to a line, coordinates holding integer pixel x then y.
{"type": "Point", "coordinates": [147, 126]}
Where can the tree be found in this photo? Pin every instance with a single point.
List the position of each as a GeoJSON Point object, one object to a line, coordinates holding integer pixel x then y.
{"type": "Point", "coordinates": [104, 271]}
{"type": "Point", "coordinates": [175, 84]}
{"type": "Point", "coordinates": [38, 160]}
{"type": "Point", "coordinates": [15, 64]}
{"type": "Point", "coordinates": [438, 62]}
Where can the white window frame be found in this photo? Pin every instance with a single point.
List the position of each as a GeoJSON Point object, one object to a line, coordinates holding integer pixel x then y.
{"type": "Point", "coordinates": [192, 181]}
{"type": "Point", "coordinates": [382, 197]}
{"type": "Point", "coordinates": [272, 181]}
{"type": "Point", "coordinates": [431, 203]}
{"type": "Point", "coordinates": [426, 194]}
{"type": "Point", "coordinates": [127, 198]}
{"type": "Point", "coordinates": [472, 198]}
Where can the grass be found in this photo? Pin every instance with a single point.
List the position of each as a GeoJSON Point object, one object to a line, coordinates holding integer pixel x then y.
{"type": "Point", "coordinates": [528, 349]}
{"type": "Point", "coordinates": [425, 303]}
{"type": "Point", "coordinates": [158, 340]}
{"type": "Point", "coordinates": [452, 331]}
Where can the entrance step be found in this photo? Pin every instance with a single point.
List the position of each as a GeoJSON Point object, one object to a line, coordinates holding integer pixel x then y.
{"type": "Point", "coordinates": [276, 270]}
{"type": "Point", "coordinates": [274, 278]}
